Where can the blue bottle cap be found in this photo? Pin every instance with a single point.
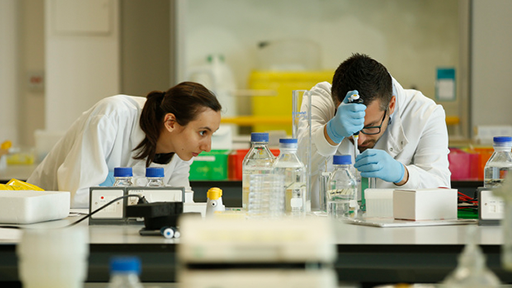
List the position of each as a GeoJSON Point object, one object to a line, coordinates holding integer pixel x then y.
{"type": "Point", "coordinates": [288, 140]}
{"type": "Point", "coordinates": [123, 172]}
{"type": "Point", "coordinates": [155, 172]}
{"type": "Point", "coordinates": [125, 264]}
{"type": "Point", "coordinates": [259, 137]}
{"type": "Point", "coordinates": [502, 139]}
{"type": "Point", "coordinates": [341, 159]}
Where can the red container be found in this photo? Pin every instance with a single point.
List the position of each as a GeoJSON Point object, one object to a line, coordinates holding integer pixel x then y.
{"type": "Point", "coordinates": [463, 165]}
{"type": "Point", "coordinates": [235, 160]}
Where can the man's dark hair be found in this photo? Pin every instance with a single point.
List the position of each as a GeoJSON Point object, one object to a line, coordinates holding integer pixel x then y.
{"type": "Point", "coordinates": [364, 74]}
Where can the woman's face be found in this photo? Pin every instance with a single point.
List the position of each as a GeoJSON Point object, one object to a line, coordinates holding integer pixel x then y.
{"type": "Point", "coordinates": [190, 140]}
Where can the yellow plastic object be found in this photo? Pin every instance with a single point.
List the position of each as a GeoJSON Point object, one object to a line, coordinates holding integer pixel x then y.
{"type": "Point", "coordinates": [280, 104]}
{"type": "Point", "coordinates": [214, 193]}
{"type": "Point", "coordinates": [452, 120]}
{"type": "Point", "coordinates": [6, 145]}
{"type": "Point", "coordinates": [252, 120]}
{"type": "Point", "coordinates": [20, 159]}
{"type": "Point", "coordinates": [15, 184]}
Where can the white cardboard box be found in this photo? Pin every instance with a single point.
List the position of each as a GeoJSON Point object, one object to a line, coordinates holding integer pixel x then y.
{"type": "Point", "coordinates": [425, 204]}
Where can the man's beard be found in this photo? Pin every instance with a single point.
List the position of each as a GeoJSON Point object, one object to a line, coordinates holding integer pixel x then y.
{"type": "Point", "coordinates": [368, 144]}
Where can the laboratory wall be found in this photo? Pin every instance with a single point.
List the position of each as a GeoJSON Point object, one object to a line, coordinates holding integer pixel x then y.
{"type": "Point", "coordinates": [82, 57]}
{"type": "Point", "coordinates": [411, 38]}
{"type": "Point", "coordinates": [491, 62]}
{"type": "Point", "coordinates": [31, 100]}
{"type": "Point", "coordinates": [9, 29]}
{"type": "Point", "coordinates": [145, 46]}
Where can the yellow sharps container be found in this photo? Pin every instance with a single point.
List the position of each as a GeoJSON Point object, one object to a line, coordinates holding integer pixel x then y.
{"type": "Point", "coordinates": [276, 102]}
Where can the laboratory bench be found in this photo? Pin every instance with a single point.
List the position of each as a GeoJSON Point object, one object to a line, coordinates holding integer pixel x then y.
{"type": "Point", "coordinates": [367, 255]}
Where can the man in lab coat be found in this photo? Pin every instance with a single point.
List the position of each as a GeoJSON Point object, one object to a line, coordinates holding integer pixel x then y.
{"type": "Point", "coordinates": [403, 139]}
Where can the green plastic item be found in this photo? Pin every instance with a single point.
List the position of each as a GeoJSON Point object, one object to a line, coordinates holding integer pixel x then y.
{"type": "Point", "coordinates": [211, 165]}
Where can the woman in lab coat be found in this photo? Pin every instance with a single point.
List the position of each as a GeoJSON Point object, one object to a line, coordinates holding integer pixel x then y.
{"type": "Point", "coordinates": [165, 129]}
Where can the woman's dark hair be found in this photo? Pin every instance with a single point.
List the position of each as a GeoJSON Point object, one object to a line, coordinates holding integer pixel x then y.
{"type": "Point", "coordinates": [364, 74]}
{"type": "Point", "coordinates": [185, 100]}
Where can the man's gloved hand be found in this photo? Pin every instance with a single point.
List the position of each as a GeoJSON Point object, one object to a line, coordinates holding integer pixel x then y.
{"type": "Point", "coordinates": [379, 164]}
{"type": "Point", "coordinates": [348, 120]}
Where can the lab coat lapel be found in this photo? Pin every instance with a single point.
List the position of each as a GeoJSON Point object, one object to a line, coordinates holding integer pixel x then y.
{"type": "Point", "coordinates": [395, 136]}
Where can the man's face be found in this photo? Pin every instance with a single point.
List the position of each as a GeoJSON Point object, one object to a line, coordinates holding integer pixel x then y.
{"type": "Point", "coordinates": [376, 122]}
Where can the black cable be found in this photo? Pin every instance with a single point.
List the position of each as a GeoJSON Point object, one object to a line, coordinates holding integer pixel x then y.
{"type": "Point", "coordinates": [142, 199]}
{"type": "Point", "coordinates": [10, 227]}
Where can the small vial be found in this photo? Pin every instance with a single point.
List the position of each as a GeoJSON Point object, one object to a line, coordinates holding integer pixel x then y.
{"type": "Point", "coordinates": [123, 176]}
{"type": "Point", "coordinates": [155, 176]}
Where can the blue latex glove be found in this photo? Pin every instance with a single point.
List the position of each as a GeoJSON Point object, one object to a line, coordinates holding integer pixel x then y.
{"type": "Point", "coordinates": [379, 164]}
{"type": "Point", "coordinates": [109, 181]}
{"type": "Point", "coordinates": [348, 120]}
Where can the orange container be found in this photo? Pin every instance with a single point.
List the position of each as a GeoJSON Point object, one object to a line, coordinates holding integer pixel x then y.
{"type": "Point", "coordinates": [484, 155]}
{"type": "Point", "coordinates": [235, 160]}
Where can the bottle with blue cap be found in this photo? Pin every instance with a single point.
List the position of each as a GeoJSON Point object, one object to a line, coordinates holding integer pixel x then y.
{"type": "Point", "coordinates": [124, 272]}
{"type": "Point", "coordinates": [341, 190]}
{"type": "Point", "coordinates": [500, 162]}
{"type": "Point", "coordinates": [258, 160]}
{"type": "Point", "coordinates": [155, 176]}
{"type": "Point", "coordinates": [289, 165]}
{"type": "Point", "coordinates": [123, 176]}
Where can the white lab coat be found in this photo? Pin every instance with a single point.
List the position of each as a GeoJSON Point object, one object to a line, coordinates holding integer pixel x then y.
{"type": "Point", "coordinates": [101, 139]}
{"type": "Point", "coordinates": [417, 137]}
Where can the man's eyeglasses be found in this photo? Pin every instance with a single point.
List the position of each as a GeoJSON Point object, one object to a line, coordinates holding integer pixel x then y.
{"type": "Point", "coordinates": [372, 130]}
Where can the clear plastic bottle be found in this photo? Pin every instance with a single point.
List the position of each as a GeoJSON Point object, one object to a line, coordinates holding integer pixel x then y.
{"type": "Point", "coordinates": [500, 162]}
{"type": "Point", "coordinates": [123, 176]}
{"type": "Point", "coordinates": [124, 273]}
{"type": "Point", "coordinates": [342, 186]}
{"type": "Point", "coordinates": [266, 196]}
{"type": "Point", "coordinates": [289, 165]}
{"type": "Point", "coordinates": [155, 176]}
{"type": "Point", "coordinates": [258, 160]}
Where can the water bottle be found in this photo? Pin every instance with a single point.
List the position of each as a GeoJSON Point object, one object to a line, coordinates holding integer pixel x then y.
{"type": "Point", "coordinates": [266, 196]}
{"type": "Point", "coordinates": [289, 165]}
{"type": "Point", "coordinates": [341, 191]}
{"type": "Point", "coordinates": [123, 176]}
{"type": "Point", "coordinates": [155, 176]}
{"type": "Point", "coordinates": [500, 162]}
{"type": "Point", "coordinates": [124, 273]}
{"type": "Point", "coordinates": [258, 160]}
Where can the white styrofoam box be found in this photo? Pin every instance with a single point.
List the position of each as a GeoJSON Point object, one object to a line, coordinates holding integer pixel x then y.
{"type": "Point", "coordinates": [379, 202]}
{"type": "Point", "coordinates": [425, 204]}
{"type": "Point", "coordinates": [236, 240]}
{"type": "Point", "coordinates": [26, 206]}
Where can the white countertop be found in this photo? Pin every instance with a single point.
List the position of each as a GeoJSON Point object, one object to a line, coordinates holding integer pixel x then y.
{"type": "Point", "coordinates": [345, 234]}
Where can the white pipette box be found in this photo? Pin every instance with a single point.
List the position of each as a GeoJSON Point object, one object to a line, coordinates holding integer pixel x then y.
{"type": "Point", "coordinates": [425, 204]}
{"type": "Point", "coordinates": [26, 206]}
{"type": "Point", "coordinates": [379, 202]}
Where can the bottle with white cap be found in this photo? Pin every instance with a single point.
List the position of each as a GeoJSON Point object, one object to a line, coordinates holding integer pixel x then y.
{"type": "Point", "coordinates": [124, 272]}
{"type": "Point", "coordinates": [123, 176]}
{"type": "Point", "coordinates": [500, 162]}
{"type": "Point", "coordinates": [155, 176]}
